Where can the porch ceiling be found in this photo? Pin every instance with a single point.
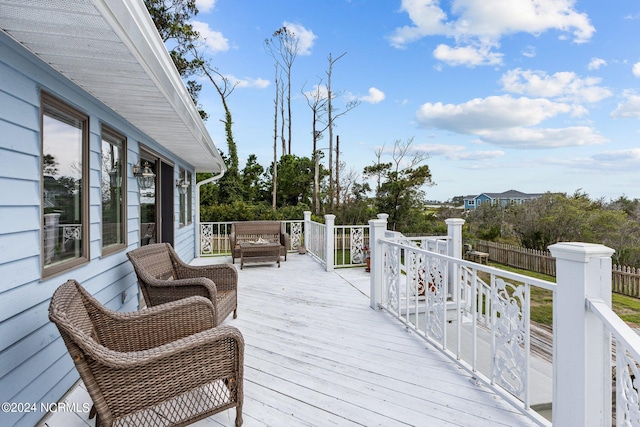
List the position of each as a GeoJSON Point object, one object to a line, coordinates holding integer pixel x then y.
{"type": "Point", "coordinates": [112, 50]}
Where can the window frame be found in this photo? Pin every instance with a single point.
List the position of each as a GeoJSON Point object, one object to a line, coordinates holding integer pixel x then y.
{"type": "Point", "coordinates": [114, 134]}
{"type": "Point", "coordinates": [50, 101]}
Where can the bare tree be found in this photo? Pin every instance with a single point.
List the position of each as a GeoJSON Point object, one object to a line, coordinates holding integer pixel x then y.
{"type": "Point", "coordinates": [378, 168]}
{"type": "Point", "coordinates": [331, 118]}
{"type": "Point", "coordinates": [283, 47]}
{"type": "Point", "coordinates": [275, 137]}
{"type": "Point", "coordinates": [230, 184]}
{"type": "Point", "coordinates": [317, 102]}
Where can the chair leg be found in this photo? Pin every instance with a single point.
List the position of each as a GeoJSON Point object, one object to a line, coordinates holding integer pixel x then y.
{"type": "Point", "coordinates": [235, 313]}
{"type": "Point", "coordinates": [94, 413]}
{"type": "Point", "coordinates": [238, 415]}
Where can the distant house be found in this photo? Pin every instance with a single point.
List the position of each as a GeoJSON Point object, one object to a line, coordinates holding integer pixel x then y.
{"type": "Point", "coordinates": [511, 197]}
{"type": "Point", "coordinates": [99, 146]}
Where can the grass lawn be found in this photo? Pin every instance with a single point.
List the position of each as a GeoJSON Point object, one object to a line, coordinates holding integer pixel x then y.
{"type": "Point", "coordinates": [628, 308]}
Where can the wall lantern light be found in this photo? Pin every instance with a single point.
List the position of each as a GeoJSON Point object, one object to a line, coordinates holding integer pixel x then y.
{"type": "Point", "coordinates": [183, 185]}
{"type": "Point", "coordinates": [144, 174]}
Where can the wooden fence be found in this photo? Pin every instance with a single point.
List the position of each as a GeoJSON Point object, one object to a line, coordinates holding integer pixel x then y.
{"type": "Point", "coordinates": [624, 280]}
{"type": "Point", "coordinates": [518, 257]}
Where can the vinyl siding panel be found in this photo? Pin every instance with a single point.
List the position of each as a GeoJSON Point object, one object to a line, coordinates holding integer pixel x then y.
{"type": "Point", "coordinates": [34, 363]}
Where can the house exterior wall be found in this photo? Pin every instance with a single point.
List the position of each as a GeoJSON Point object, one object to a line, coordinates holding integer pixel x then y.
{"type": "Point", "coordinates": [505, 199]}
{"type": "Point", "coordinates": [469, 204]}
{"type": "Point", "coordinates": [483, 198]}
{"type": "Point", "coordinates": [34, 364]}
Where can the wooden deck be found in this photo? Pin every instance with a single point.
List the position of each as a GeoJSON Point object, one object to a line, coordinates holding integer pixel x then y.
{"type": "Point", "coordinates": [317, 355]}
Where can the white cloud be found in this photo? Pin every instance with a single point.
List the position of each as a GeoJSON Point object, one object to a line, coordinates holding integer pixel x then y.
{"type": "Point", "coordinates": [214, 40]}
{"type": "Point", "coordinates": [529, 52]}
{"type": "Point", "coordinates": [306, 38]}
{"type": "Point", "coordinates": [375, 96]}
{"type": "Point", "coordinates": [457, 152]}
{"type": "Point", "coordinates": [626, 155]}
{"type": "Point", "coordinates": [507, 121]}
{"type": "Point", "coordinates": [630, 107]}
{"type": "Point", "coordinates": [596, 63]}
{"type": "Point", "coordinates": [636, 69]}
{"type": "Point", "coordinates": [543, 138]}
{"type": "Point", "coordinates": [496, 18]}
{"type": "Point", "coordinates": [565, 85]}
{"type": "Point", "coordinates": [467, 55]}
{"type": "Point", "coordinates": [205, 6]}
{"type": "Point", "coordinates": [248, 82]}
{"type": "Point", "coordinates": [609, 162]}
{"type": "Point", "coordinates": [484, 23]}
{"type": "Point", "coordinates": [318, 92]}
{"type": "Point", "coordinates": [494, 112]}
{"type": "Point", "coordinates": [428, 20]}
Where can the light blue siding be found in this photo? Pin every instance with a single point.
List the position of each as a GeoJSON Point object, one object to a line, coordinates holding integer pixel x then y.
{"type": "Point", "coordinates": [34, 363]}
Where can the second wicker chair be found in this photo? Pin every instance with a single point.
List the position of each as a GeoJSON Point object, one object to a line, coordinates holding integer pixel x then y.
{"type": "Point", "coordinates": [163, 277]}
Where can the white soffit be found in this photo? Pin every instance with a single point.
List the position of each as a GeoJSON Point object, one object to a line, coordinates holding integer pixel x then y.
{"type": "Point", "coordinates": [112, 50]}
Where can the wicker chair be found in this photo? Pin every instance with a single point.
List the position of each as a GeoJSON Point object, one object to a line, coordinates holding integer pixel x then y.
{"type": "Point", "coordinates": [163, 277]}
{"type": "Point", "coordinates": [167, 365]}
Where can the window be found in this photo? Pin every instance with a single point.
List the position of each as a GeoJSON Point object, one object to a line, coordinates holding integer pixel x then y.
{"type": "Point", "coordinates": [65, 173]}
{"type": "Point", "coordinates": [113, 188]}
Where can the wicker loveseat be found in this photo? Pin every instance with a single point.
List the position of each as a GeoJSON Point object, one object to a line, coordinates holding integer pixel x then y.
{"type": "Point", "coordinates": [163, 277]}
{"type": "Point", "coordinates": [252, 231]}
{"type": "Point", "coordinates": [163, 366]}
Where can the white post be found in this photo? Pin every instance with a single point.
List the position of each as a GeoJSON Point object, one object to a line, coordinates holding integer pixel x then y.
{"type": "Point", "coordinates": [581, 347]}
{"type": "Point", "coordinates": [454, 231]}
{"type": "Point", "coordinates": [454, 249]}
{"type": "Point", "coordinates": [307, 229]}
{"type": "Point", "coordinates": [377, 230]}
{"type": "Point", "coordinates": [329, 222]}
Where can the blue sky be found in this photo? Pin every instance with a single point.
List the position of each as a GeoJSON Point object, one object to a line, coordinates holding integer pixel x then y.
{"type": "Point", "coordinates": [531, 95]}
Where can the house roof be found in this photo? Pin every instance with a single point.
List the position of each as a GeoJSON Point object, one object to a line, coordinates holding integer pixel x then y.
{"type": "Point", "coordinates": [509, 194]}
{"type": "Point", "coordinates": [112, 50]}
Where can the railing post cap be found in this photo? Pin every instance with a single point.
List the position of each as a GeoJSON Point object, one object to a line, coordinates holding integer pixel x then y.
{"type": "Point", "coordinates": [378, 222]}
{"type": "Point", "coordinates": [330, 216]}
{"type": "Point", "coordinates": [578, 251]}
{"type": "Point", "coordinates": [383, 216]}
{"type": "Point", "coordinates": [454, 221]}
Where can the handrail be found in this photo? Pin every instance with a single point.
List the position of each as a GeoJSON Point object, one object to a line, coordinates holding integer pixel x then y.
{"type": "Point", "coordinates": [614, 324]}
{"type": "Point", "coordinates": [480, 267]}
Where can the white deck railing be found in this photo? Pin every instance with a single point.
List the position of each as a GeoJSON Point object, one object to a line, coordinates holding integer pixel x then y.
{"type": "Point", "coordinates": [314, 237]}
{"type": "Point", "coordinates": [346, 248]}
{"type": "Point", "coordinates": [479, 316]}
{"type": "Point", "coordinates": [213, 237]}
{"type": "Point", "coordinates": [482, 325]}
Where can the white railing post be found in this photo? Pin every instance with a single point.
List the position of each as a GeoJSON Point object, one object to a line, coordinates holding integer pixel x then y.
{"type": "Point", "coordinates": [329, 222]}
{"type": "Point", "coordinates": [454, 231]}
{"type": "Point", "coordinates": [454, 250]}
{"type": "Point", "coordinates": [306, 230]}
{"type": "Point", "coordinates": [377, 230]}
{"type": "Point", "coordinates": [581, 347]}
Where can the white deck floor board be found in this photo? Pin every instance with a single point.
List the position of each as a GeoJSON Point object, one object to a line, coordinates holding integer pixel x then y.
{"type": "Point", "coordinates": [316, 354]}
